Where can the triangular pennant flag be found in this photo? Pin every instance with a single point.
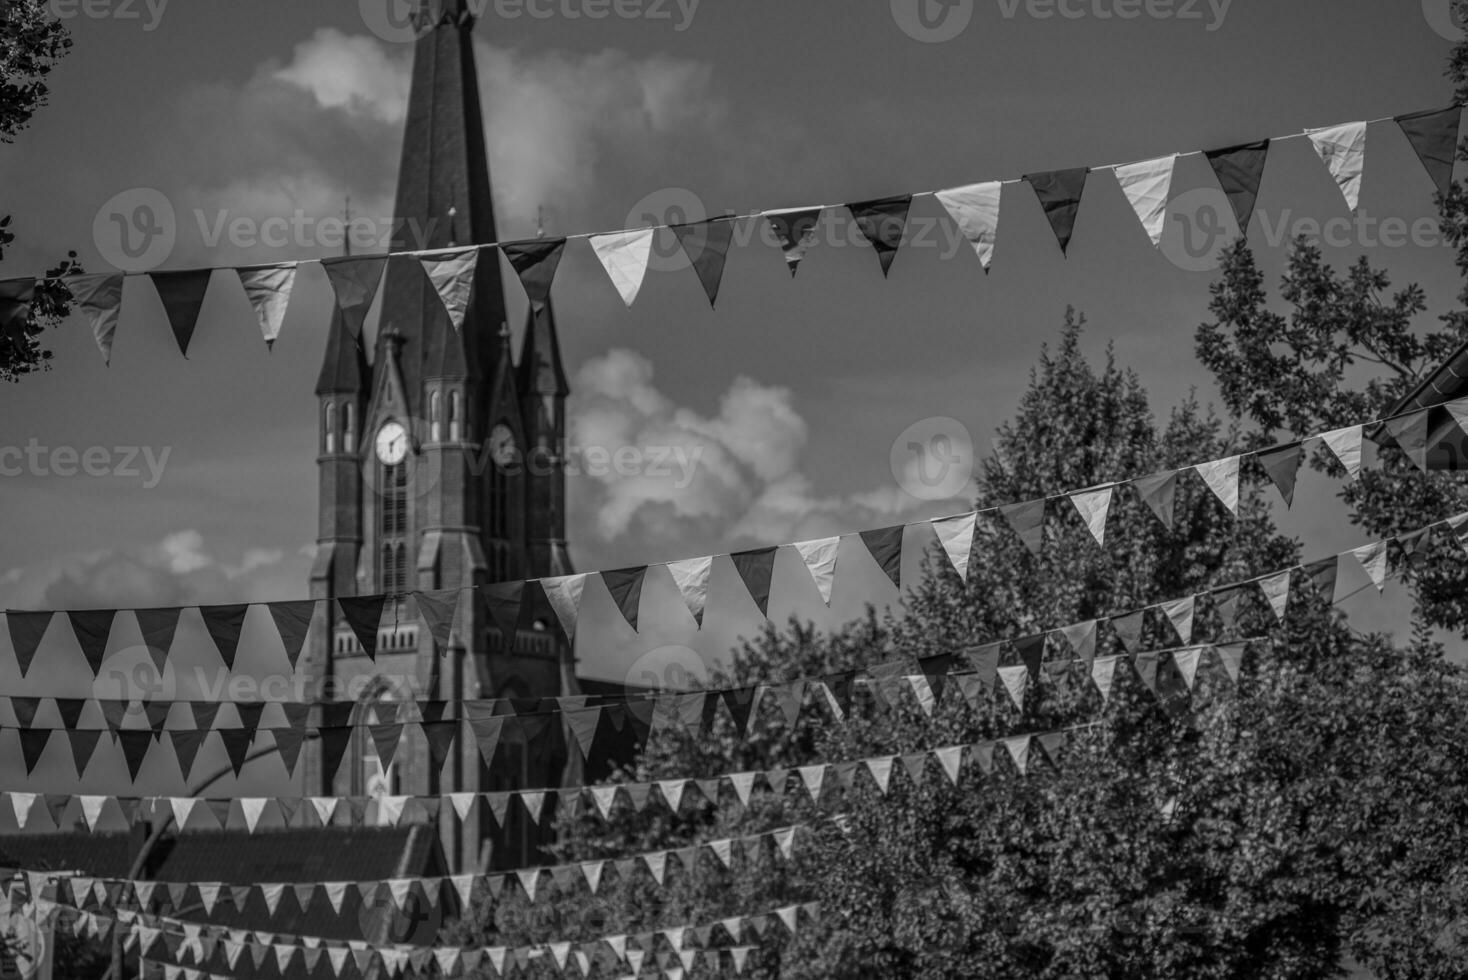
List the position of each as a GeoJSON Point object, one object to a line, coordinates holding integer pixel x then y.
{"type": "Point", "coordinates": [625, 254]}
{"type": "Point", "coordinates": [1434, 137]}
{"type": "Point", "coordinates": [1028, 521]}
{"type": "Point", "coordinates": [98, 297]}
{"type": "Point", "coordinates": [1346, 444]}
{"type": "Point", "coordinates": [1186, 662]}
{"type": "Point", "coordinates": [292, 622]}
{"type": "Point", "coordinates": [25, 709]}
{"type": "Point", "coordinates": [672, 790]}
{"type": "Point", "coordinates": [1060, 192]}
{"type": "Point", "coordinates": [1283, 466]}
{"type": "Point", "coordinates": [1373, 561]}
{"type": "Point", "coordinates": [364, 615]}
{"type": "Point", "coordinates": [534, 804]}
{"type": "Point", "coordinates": [354, 280]}
{"type": "Point", "coordinates": [956, 535]}
{"type": "Point", "coordinates": [225, 623]}
{"type": "Point", "coordinates": [208, 894]}
{"type": "Point", "coordinates": [385, 740]}
{"type": "Point", "coordinates": [182, 294]}
{"type": "Point", "coordinates": [706, 243]}
{"type": "Point", "coordinates": [1147, 185]}
{"type": "Point", "coordinates": [882, 223]}
{"type": "Point", "coordinates": [26, 630]}
{"type": "Point", "coordinates": [583, 722]}
{"type": "Point", "coordinates": [268, 288]}
{"type": "Point", "coordinates": [16, 297]}
{"type": "Point", "coordinates": [1276, 589]}
{"type": "Point", "coordinates": [885, 546]}
{"type": "Point", "coordinates": [1082, 639]}
{"type": "Point", "coordinates": [1240, 170]}
{"type": "Point", "coordinates": [487, 736]}
{"type": "Point", "coordinates": [1410, 434]}
{"type": "Point", "coordinates": [756, 568]}
{"type": "Point", "coordinates": [1103, 671]}
{"type": "Point", "coordinates": [1179, 612]}
{"type": "Point", "coordinates": [743, 783]}
{"type": "Point", "coordinates": [796, 232]}
{"type": "Point", "coordinates": [504, 601]}
{"type": "Point", "coordinates": [92, 810]}
{"type": "Point", "coordinates": [251, 808]}
{"type": "Point", "coordinates": [1222, 477]}
{"type": "Point", "coordinates": [951, 759]}
{"type": "Point", "coordinates": [440, 736]}
{"type": "Point", "coordinates": [536, 262]}
{"type": "Point", "coordinates": [813, 777]}
{"type": "Point", "coordinates": [157, 627]}
{"type": "Point", "coordinates": [452, 276]}
{"type": "Point", "coordinates": [185, 747]}
{"type": "Point", "coordinates": [789, 697]}
{"type": "Point", "coordinates": [1231, 656]}
{"type": "Point", "coordinates": [334, 742]}
{"type": "Point", "coordinates": [1343, 151]}
{"type": "Point", "coordinates": [135, 744]}
{"type": "Point", "coordinates": [437, 612]}
{"type": "Point", "coordinates": [657, 865]}
{"type": "Point", "coordinates": [1128, 628]}
{"type": "Point", "coordinates": [692, 578]}
{"type": "Point", "coordinates": [820, 560]}
{"type": "Point", "coordinates": [92, 627]}
{"type": "Point", "coordinates": [1031, 650]}
{"type": "Point", "coordinates": [740, 703]}
{"type": "Point", "coordinates": [1093, 506]}
{"type": "Point", "coordinates": [1323, 576]}
{"type": "Point", "coordinates": [1019, 751]}
{"type": "Point", "coordinates": [33, 744]}
{"type": "Point", "coordinates": [564, 595]}
{"type": "Point", "coordinates": [975, 209]}
{"type": "Point", "coordinates": [183, 808]}
{"type": "Point", "coordinates": [325, 807]}
{"type": "Point", "coordinates": [1159, 492]}
{"type": "Point", "coordinates": [625, 586]}
{"type": "Point", "coordinates": [1014, 682]}
{"type": "Point", "coordinates": [236, 745]}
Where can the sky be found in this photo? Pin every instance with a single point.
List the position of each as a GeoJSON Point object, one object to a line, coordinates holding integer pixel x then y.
{"type": "Point", "coordinates": [253, 123]}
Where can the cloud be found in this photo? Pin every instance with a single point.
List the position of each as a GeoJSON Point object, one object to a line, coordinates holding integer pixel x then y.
{"type": "Point", "coordinates": [732, 477]}
{"type": "Point", "coordinates": [179, 570]}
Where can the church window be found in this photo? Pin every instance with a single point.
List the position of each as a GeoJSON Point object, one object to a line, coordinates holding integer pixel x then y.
{"type": "Point", "coordinates": [393, 529]}
{"type": "Point", "coordinates": [435, 417]}
{"type": "Point", "coordinates": [330, 426]}
{"type": "Point", "coordinates": [456, 415]}
{"type": "Point", "coordinates": [349, 442]}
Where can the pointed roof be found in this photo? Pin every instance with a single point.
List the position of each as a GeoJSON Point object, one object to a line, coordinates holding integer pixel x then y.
{"type": "Point", "coordinates": [504, 396]}
{"type": "Point", "coordinates": [541, 371]}
{"type": "Point", "coordinates": [344, 368]}
{"type": "Point", "coordinates": [443, 199]}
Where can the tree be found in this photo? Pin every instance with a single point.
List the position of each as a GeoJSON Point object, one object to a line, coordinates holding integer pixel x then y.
{"type": "Point", "coordinates": [1233, 831]}
{"type": "Point", "coordinates": [32, 42]}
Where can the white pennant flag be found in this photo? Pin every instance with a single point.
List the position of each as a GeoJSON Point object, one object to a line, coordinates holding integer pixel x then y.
{"type": "Point", "coordinates": [92, 809]}
{"type": "Point", "coordinates": [461, 803]}
{"type": "Point", "coordinates": [657, 864]}
{"type": "Point", "coordinates": [183, 807]}
{"type": "Point", "coordinates": [1187, 663]}
{"type": "Point", "coordinates": [605, 798]}
{"type": "Point", "coordinates": [975, 209]}
{"type": "Point", "coordinates": [785, 839]}
{"type": "Point", "coordinates": [672, 790]}
{"type": "Point", "coordinates": [565, 594]}
{"type": "Point", "coordinates": [1019, 751]}
{"type": "Point", "coordinates": [692, 578]}
{"type": "Point", "coordinates": [529, 880]}
{"type": "Point", "coordinates": [1180, 613]}
{"type": "Point", "coordinates": [1093, 506]}
{"type": "Point", "coordinates": [1346, 444]}
{"type": "Point", "coordinates": [1373, 561]}
{"type": "Point", "coordinates": [820, 558]}
{"type": "Point", "coordinates": [813, 777]}
{"type": "Point", "coordinates": [881, 771]}
{"type": "Point", "coordinates": [22, 802]}
{"type": "Point", "coordinates": [1222, 477]}
{"type": "Point", "coordinates": [625, 254]}
{"type": "Point", "coordinates": [592, 870]}
{"type": "Point", "coordinates": [956, 534]}
{"type": "Point", "coordinates": [209, 895]}
{"type": "Point", "coordinates": [1103, 671]}
{"type": "Point", "coordinates": [923, 692]}
{"type": "Point", "coordinates": [452, 275]}
{"type": "Point", "coordinates": [1014, 682]}
{"type": "Point", "coordinates": [951, 759]}
{"type": "Point", "coordinates": [724, 851]}
{"type": "Point", "coordinates": [98, 297]}
{"type": "Point", "coordinates": [464, 885]}
{"type": "Point", "coordinates": [325, 807]}
{"type": "Point", "coordinates": [1231, 656]}
{"type": "Point", "coordinates": [1343, 150]}
{"type": "Point", "coordinates": [390, 810]}
{"type": "Point", "coordinates": [271, 893]}
{"type": "Point", "coordinates": [252, 807]}
{"type": "Point", "coordinates": [743, 783]}
{"type": "Point", "coordinates": [1276, 589]}
{"type": "Point", "coordinates": [335, 892]}
{"type": "Point", "coordinates": [1147, 186]}
{"type": "Point", "coordinates": [399, 888]}
{"type": "Point", "coordinates": [268, 287]}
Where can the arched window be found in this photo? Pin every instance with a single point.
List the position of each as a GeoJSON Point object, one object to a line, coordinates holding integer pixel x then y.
{"type": "Point", "coordinates": [349, 442]}
{"type": "Point", "coordinates": [369, 777]}
{"type": "Point", "coordinates": [329, 425]}
{"type": "Point", "coordinates": [435, 417]}
{"type": "Point", "coordinates": [393, 530]}
{"type": "Point", "coordinates": [456, 415]}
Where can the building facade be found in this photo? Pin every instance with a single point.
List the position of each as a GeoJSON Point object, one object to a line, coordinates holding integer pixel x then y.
{"type": "Point", "coordinates": [441, 467]}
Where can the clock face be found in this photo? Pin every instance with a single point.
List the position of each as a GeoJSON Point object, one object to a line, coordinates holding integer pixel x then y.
{"type": "Point", "coordinates": [502, 445]}
{"type": "Point", "coordinates": [392, 444]}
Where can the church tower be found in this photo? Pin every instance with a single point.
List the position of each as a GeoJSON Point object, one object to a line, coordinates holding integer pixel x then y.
{"type": "Point", "coordinates": [441, 467]}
